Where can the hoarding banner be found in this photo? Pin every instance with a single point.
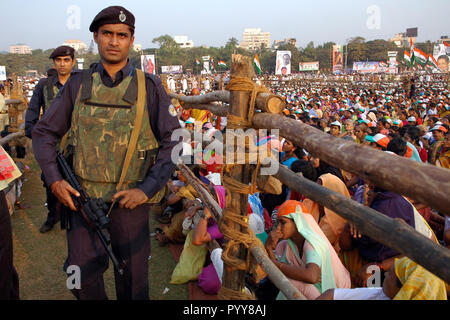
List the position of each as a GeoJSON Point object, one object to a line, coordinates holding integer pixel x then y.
{"type": "Point", "coordinates": [441, 53]}
{"type": "Point", "coordinates": [172, 69]}
{"type": "Point", "coordinates": [308, 66]}
{"type": "Point", "coordinates": [338, 58]}
{"type": "Point", "coordinates": [366, 67]}
{"type": "Point", "coordinates": [392, 54]}
{"type": "Point", "coordinates": [148, 63]}
{"type": "Point", "coordinates": [206, 68]}
{"type": "Point", "coordinates": [283, 66]}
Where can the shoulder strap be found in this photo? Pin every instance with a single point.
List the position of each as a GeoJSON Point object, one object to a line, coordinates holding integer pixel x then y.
{"type": "Point", "coordinates": [49, 86]}
{"type": "Point", "coordinates": [132, 90]}
{"type": "Point", "coordinates": [137, 126]}
{"type": "Point", "coordinates": [86, 81]}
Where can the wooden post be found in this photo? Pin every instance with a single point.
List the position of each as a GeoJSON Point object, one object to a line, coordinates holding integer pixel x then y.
{"type": "Point", "coordinates": [236, 202]}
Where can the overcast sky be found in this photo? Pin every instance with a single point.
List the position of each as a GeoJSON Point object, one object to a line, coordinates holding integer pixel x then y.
{"type": "Point", "coordinates": [47, 24]}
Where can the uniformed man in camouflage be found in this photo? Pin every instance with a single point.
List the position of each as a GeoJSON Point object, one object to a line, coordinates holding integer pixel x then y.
{"type": "Point", "coordinates": [99, 106]}
{"type": "Point", "coordinates": [43, 95]}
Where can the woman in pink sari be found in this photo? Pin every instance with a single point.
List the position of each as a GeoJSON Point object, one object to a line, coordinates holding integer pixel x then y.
{"type": "Point", "coordinates": [304, 254]}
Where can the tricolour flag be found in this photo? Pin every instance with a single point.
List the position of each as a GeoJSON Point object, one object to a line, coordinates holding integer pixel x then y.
{"type": "Point", "coordinates": [411, 50]}
{"type": "Point", "coordinates": [257, 64]}
{"type": "Point", "coordinates": [432, 62]}
{"type": "Point", "coordinates": [197, 62]}
{"type": "Point", "coordinates": [446, 44]}
{"type": "Point", "coordinates": [420, 57]}
{"type": "Point", "coordinates": [407, 57]}
{"type": "Point", "coordinates": [222, 64]}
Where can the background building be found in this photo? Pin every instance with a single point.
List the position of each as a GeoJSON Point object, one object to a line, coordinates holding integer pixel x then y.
{"type": "Point", "coordinates": [402, 40]}
{"type": "Point", "coordinates": [254, 38]}
{"type": "Point", "coordinates": [184, 42]}
{"type": "Point", "coordinates": [278, 43]}
{"type": "Point", "coordinates": [78, 45]}
{"type": "Point", "coordinates": [20, 49]}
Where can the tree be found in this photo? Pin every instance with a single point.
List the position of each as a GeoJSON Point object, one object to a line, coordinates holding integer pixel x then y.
{"type": "Point", "coordinates": [356, 50]}
{"type": "Point", "coordinates": [324, 56]}
{"type": "Point", "coordinates": [166, 41]}
{"type": "Point", "coordinates": [309, 53]}
{"type": "Point", "coordinates": [377, 49]}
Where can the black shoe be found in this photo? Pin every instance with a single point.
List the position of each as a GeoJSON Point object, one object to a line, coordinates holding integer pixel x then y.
{"type": "Point", "coordinates": [45, 228]}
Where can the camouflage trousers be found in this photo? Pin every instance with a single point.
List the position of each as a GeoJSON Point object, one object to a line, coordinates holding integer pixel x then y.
{"type": "Point", "coordinates": [130, 241]}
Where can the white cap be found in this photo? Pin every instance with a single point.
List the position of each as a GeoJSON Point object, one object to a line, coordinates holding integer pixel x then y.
{"type": "Point", "coordinates": [412, 119]}
{"type": "Point", "coordinates": [190, 120]}
{"type": "Point", "coordinates": [336, 123]}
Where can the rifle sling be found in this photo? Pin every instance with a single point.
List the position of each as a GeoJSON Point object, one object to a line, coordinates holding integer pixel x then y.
{"type": "Point", "coordinates": [137, 127]}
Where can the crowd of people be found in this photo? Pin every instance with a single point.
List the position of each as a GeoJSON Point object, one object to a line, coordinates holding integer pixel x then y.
{"type": "Point", "coordinates": [323, 255]}
{"type": "Point", "coordinates": [92, 114]}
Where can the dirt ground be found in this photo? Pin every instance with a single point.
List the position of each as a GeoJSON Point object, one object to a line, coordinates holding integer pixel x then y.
{"type": "Point", "coordinates": [39, 258]}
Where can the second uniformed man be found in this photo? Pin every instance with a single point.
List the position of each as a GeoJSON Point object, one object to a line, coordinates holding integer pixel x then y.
{"type": "Point", "coordinates": [43, 95]}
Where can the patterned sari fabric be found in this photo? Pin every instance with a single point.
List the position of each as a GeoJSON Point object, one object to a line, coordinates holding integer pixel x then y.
{"type": "Point", "coordinates": [418, 283]}
{"type": "Point", "coordinates": [444, 160]}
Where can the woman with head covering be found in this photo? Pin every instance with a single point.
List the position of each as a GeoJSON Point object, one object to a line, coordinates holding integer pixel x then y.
{"type": "Point", "coordinates": [330, 222]}
{"type": "Point", "coordinates": [303, 253]}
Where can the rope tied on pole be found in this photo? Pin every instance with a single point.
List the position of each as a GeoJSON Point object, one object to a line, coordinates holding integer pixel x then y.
{"type": "Point", "coordinates": [244, 84]}
{"type": "Point", "coordinates": [245, 236]}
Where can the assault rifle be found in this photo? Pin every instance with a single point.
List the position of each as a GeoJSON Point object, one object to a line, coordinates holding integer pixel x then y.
{"type": "Point", "coordinates": [92, 211]}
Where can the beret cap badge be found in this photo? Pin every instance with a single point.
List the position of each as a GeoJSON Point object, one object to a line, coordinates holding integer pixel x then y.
{"type": "Point", "coordinates": [122, 17]}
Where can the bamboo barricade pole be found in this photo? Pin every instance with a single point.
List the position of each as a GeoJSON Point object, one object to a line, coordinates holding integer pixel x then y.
{"type": "Point", "coordinates": [425, 183]}
{"type": "Point", "coordinates": [13, 101]}
{"type": "Point", "coordinates": [394, 233]}
{"type": "Point", "coordinates": [204, 194]}
{"type": "Point", "coordinates": [275, 275]}
{"type": "Point", "coordinates": [265, 101]}
{"type": "Point", "coordinates": [217, 109]}
{"type": "Point", "coordinates": [10, 137]}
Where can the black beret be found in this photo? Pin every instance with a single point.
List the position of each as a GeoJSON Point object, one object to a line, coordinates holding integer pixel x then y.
{"type": "Point", "coordinates": [112, 15]}
{"type": "Point", "coordinates": [62, 51]}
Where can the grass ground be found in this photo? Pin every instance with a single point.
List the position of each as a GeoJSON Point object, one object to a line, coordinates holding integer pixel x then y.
{"type": "Point", "coordinates": [39, 258]}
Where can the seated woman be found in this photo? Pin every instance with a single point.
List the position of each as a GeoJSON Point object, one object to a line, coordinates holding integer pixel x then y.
{"type": "Point", "coordinates": [177, 202]}
{"type": "Point", "coordinates": [359, 252]}
{"type": "Point", "coordinates": [304, 254]}
{"type": "Point", "coordinates": [330, 222]}
{"type": "Point", "coordinates": [206, 231]}
{"type": "Point", "coordinates": [405, 280]}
